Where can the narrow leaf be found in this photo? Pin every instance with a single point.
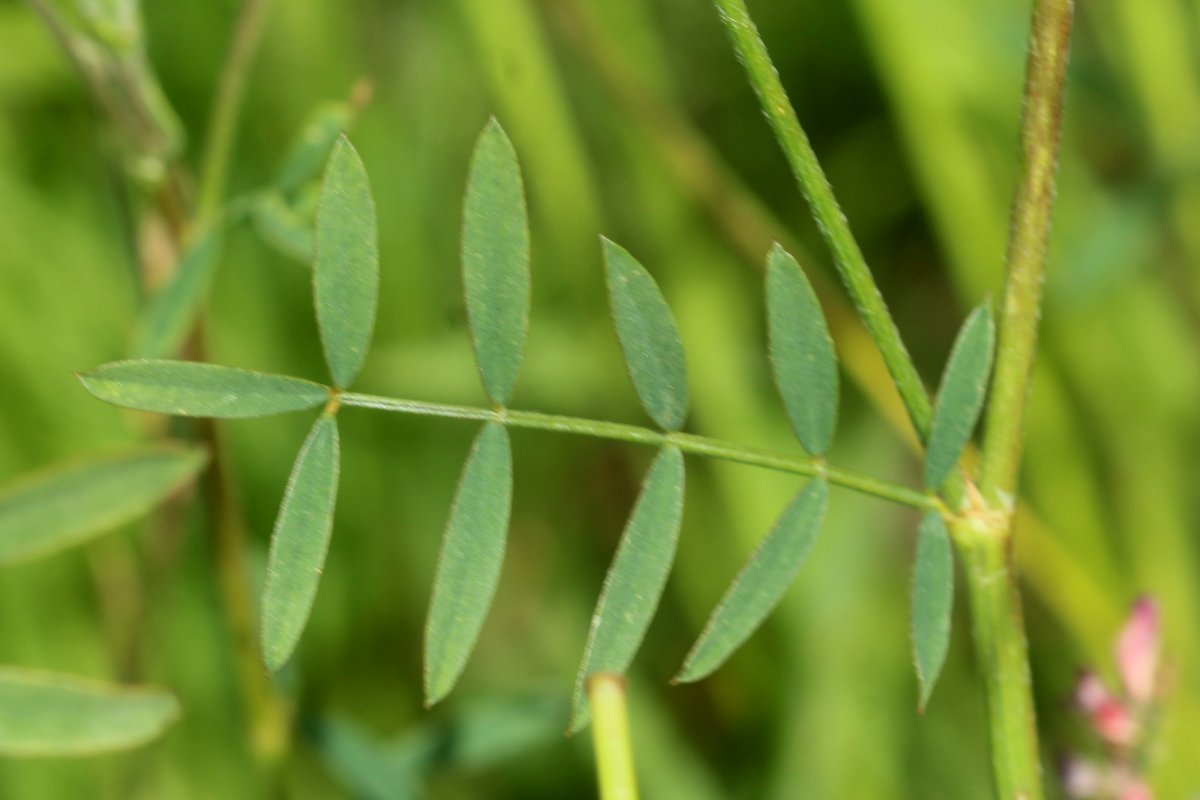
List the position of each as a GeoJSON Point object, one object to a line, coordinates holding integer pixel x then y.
{"type": "Point", "coordinates": [193, 389]}
{"type": "Point", "coordinates": [961, 395]}
{"type": "Point", "coordinates": [69, 504]}
{"type": "Point", "coordinates": [932, 602]}
{"type": "Point", "coordinates": [802, 353]}
{"type": "Point", "coordinates": [636, 579]}
{"type": "Point", "coordinates": [469, 566]}
{"type": "Point", "coordinates": [171, 314]}
{"type": "Point", "coordinates": [46, 714]}
{"type": "Point", "coordinates": [310, 149]}
{"type": "Point", "coordinates": [299, 543]}
{"type": "Point", "coordinates": [495, 262]}
{"type": "Point", "coordinates": [649, 338]}
{"type": "Point", "coordinates": [761, 584]}
{"type": "Point", "coordinates": [346, 269]}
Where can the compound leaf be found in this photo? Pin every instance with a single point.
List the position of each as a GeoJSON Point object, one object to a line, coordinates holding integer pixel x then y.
{"type": "Point", "coordinates": [761, 584]}
{"type": "Point", "coordinates": [495, 262]}
{"type": "Point", "coordinates": [346, 267]}
{"type": "Point", "coordinates": [932, 602]}
{"type": "Point", "coordinates": [171, 314]}
{"type": "Point", "coordinates": [649, 338]}
{"type": "Point", "coordinates": [636, 579]}
{"type": "Point", "coordinates": [67, 505]}
{"type": "Point", "coordinates": [299, 542]}
{"type": "Point", "coordinates": [194, 389]}
{"type": "Point", "coordinates": [469, 566]}
{"type": "Point", "coordinates": [802, 353]}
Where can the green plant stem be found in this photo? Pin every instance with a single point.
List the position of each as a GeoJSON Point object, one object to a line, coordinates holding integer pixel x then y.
{"type": "Point", "coordinates": [610, 736]}
{"type": "Point", "coordinates": [227, 107]}
{"type": "Point", "coordinates": [851, 265]}
{"type": "Point", "coordinates": [688, 443]}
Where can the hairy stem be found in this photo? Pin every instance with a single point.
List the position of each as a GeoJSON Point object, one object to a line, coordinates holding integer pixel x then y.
{"type": "Point", "coordinates": [688, 443]}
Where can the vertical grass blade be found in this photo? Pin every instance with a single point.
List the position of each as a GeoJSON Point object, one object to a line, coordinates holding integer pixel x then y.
{"type": "Point", "coordinates": [469, 565]}
{"type": "Point", "coordinates": [802, 354]}
{"type": "Point", "coordinates": [495, 262]}
{"type": "Point", "coordinates": [961, 395]}
{"type": "Point", "coordinates": [299, 542]}
{"type": "Point", "coordinates": [172, 313]}
{"type": "Point", "coordinates": [636, 579]}
{"type": "Point", "coordinates": [47, 714]}
{"type": "Point", "coordinates": [761, 584]}
{"type": "Point", "coordinates": [649, 338]}
{"type": "Point", "coordinates": [932, 602]}
{"type": "Point", "coordinates": [67, 505]}
{"type": "Point", "coordinates": [346, 267]}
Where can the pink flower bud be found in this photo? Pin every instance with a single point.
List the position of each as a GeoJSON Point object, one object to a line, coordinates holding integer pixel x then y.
{"type": "Point", "coordinates": [1091, 693]}
{"type": "Point", "coordinates": [1138, 650]}
{"type": "Point", "coordinates": [1081, 778]}
{"type": "Point", "coordinates": [1114, 724]}
{"type": "Point", "coordinates": [1135, 789]}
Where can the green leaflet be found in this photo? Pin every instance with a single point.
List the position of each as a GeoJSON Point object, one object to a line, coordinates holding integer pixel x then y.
{"type": "Point", "coordinates": [635, 580]}
{"type": "Point", "coordinates": [47, 714]}
{"type": "Point", "coordinates": [495, 262]}
{"type": "Point", "coordinates": [761, 584]}
{"type": "Point", "coordinates": [961, 395]}
{"type": "Point", "coordinates": [932, 602]}
{"type": "Point", "coordinates": [802, 353]}
{"type": "Point", "coordinates": [68, 504]}
{"type": "Point", "coordinates": [310, 149]}
{"type": "Point", "coordinates": [194, 389]}
{"type": "Point", "coordinates": [171, 314]}
{"type": "Point", "coordinates": [649, 338]}
{"type": "Point", "coordinates": [469, 566]}
{"type": "Point", "coordinates": [346, 267]}
{"type": "Point", "coordinates": [283, 227]}
{"type": "Point", "coordinates": [299, 543]}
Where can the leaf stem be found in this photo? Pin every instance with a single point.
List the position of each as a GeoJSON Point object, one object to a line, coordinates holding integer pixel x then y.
{"type": "Point", "coordinates": [688, 443]}
{"type": "Point", "coordinates": [610, 736]}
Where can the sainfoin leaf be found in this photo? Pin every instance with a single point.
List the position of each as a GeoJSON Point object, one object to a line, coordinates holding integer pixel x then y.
{"type": "Point", "coordinates": [195, 389]}
{"type": "Point", "coordinates": [469, 566]}
{"type": "Point", "coordinates": [299, 543]}
{"type": "Point", "coordinates": [649, 338]}
{"type": "Point", "coordinates": [346, 268]}
{"type": "Point", "coordinates": [802, 354]}
{"type": "Point", "coordinates": [761, 584]}
{"type": "Point", "coordinates": [495, 262]}
{"type": "Point", "coordinates": [636, 579]}
{"type": "Point", "coordinates": [171, 314]}
{"type": "Point", "coordinates": [932, 602]}
{"type": "Point", "coordinates": [960, 396]}
{"type": "Point", "coordinates": [47, 714]}
{"type": "Point", "coordinates": [67, 505]}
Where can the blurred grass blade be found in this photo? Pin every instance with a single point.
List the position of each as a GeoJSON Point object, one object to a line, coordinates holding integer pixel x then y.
{"type": "Point", "coordinates": [171, 314]}
{"type": "Point", "coordinates": [649, 338]}
{"type": "Point", "coordinates": [47, 714]}
{"type": "Point", "coordinates": [802, 354]}
{"type": "Point", "coordinates": [495, 262]}
{"type": "Point", "coordinates": [635, 580]}
{"type": "Point", "coordinates": [194, 389]}
{"type": "Point", "coordinates": [346, 268]}
{"type": "Point", "coordinates": [67, 505]}
{"type": "Point", "coordinates": [283, 227]}
{"type": "Point", "coordinates": [761, 584]}
{"type": "Point", "coordinates": [309, 151]}
{"type": "Point", "coordinates": [469, 566]}
{"type": "Point", "coordinates": [299, 542]}
{"type": "Point", "coordinates": [961, 395]}
{"type": "Point", "coordinates": [932, 602]}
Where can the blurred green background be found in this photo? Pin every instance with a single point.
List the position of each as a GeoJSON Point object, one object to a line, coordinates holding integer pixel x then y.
{"type": "Point", "coordinates": [632, 120]}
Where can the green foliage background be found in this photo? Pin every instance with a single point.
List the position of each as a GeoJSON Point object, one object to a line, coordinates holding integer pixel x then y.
{"type": "Point", "coordinates": [632, 120]}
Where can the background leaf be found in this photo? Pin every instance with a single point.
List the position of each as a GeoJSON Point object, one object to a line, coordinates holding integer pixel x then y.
{"type": "Point", "coordinates": [649, 338]}
{"type": "Point", "coordinates": [961, 395]}
{"type": "Point", "coordinates": [761, 584]}
{"type": "Point", "coordinates": [495, 262]}
{"type": "Point", "coordinates": [68, 504]}
{"type": "Point", "coordinates": [46, 714]}
{"type": "Point", "coordinates": [285, 228]}
{"type": "Point", "coordinates": [470, 562]}
{"type": "Point", "coordinates": [194, 389]}
{"type": "Point", "coordinates": [299, 542]}
{"type": "Point", "coordinates": [802, 354]}
{"type": "Point", "coordinates": [310, 148]}
{"type": "Point", "coordinates": [635, 580]}
{"type": "Point", "coordinates": [346, 269]}
{"type": "Point", "coordinates": [932, 602]}
{"type": "Point", "coordinates": [171, 314]}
